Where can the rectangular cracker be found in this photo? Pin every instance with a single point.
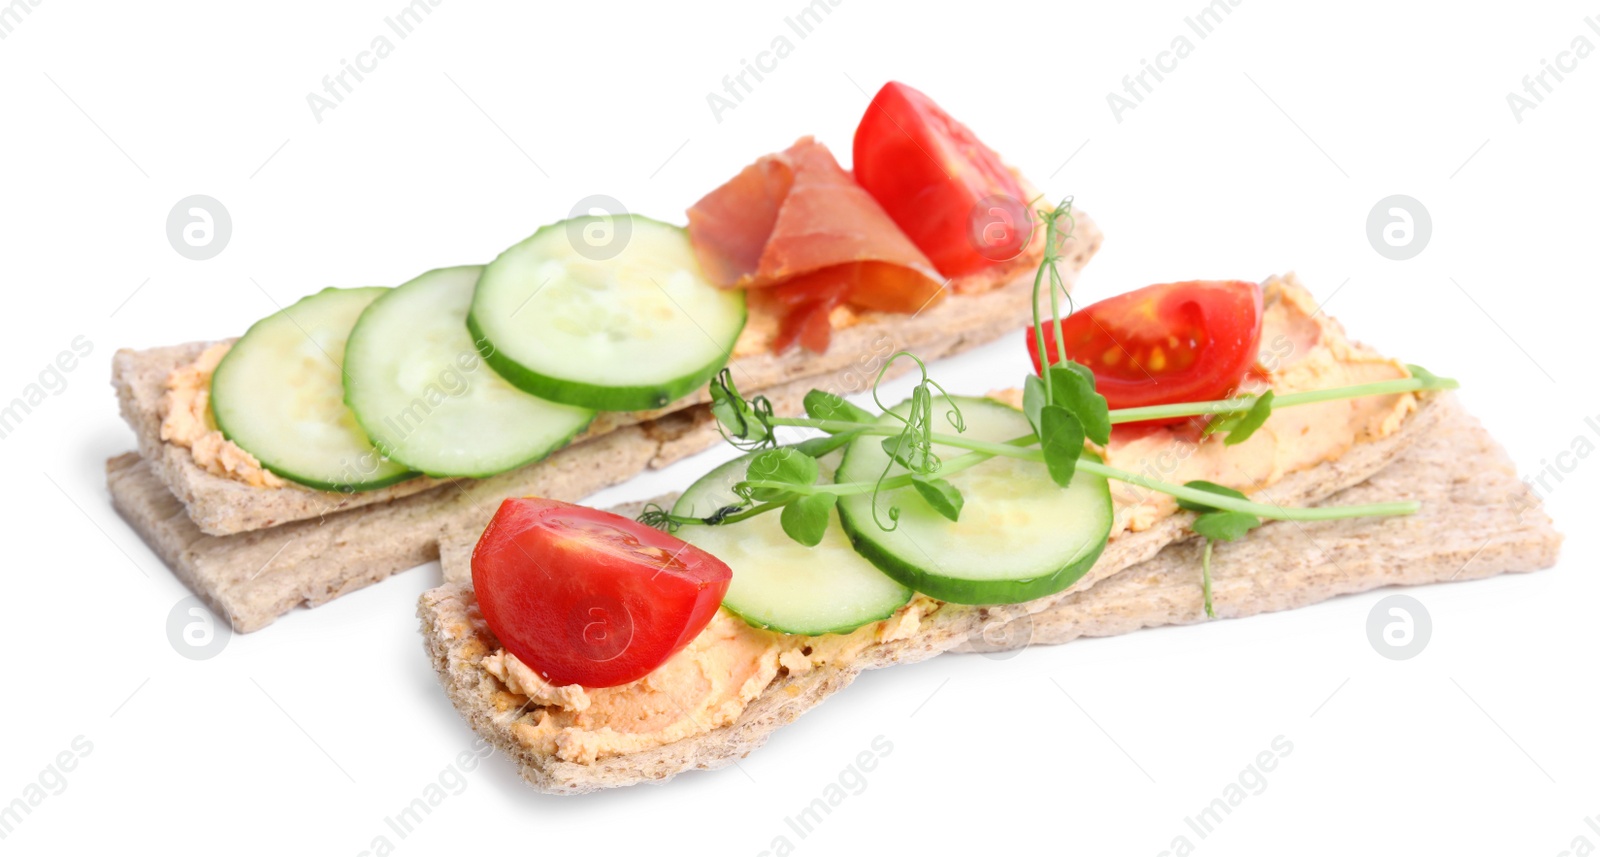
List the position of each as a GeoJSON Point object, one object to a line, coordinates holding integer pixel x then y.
{"type": "Point", "coordinates": [222, 506]}
{"type": "Point", "coordinates": [457, 640]}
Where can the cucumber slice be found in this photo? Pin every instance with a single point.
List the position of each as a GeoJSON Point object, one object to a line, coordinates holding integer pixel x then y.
{"type": "Point", "coordinates": [279, 395]}
{"type": "Point", "coordinates": [419, 388]}
{"type": "Point", "coordinates": [1020, 535]}
{"type": "Point", "coordinates": [631, 331]}
{"type": "Point", "coordinates": [777, 582]}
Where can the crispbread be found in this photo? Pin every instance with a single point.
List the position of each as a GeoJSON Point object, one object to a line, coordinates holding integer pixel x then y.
{"type": "Point", "coordinates": [457, 639]}
{"type": "Point", "coordinates": [1477, 520]}
{"type": "Point", "coordinates": [253, 577]}
{"type": "Point", "coordinates": [222, 506]}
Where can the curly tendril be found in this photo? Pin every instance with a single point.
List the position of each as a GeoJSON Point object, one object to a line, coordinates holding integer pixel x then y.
{"type": "Point", "coordinates": [912, 448]}
{"type": "Point", "coordinates": [653, 515]}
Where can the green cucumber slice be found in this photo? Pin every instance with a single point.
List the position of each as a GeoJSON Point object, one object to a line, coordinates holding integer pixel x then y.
{"type": "Point", "coordinates": [1019, 537]}
{"type": "Point", "coordinates": [418, 386]}
{"type": "Point", "coordinates": [567, 316]}
{"type": "Point", "coordinates": [777, 582]}
{"type": "Point", "coordinates": [279, 394]}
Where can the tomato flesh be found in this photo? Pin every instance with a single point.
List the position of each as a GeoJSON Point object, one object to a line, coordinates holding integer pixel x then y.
{"type": "Point", "coordinates": [588, 597]}
{"type": "Point", "coordinates": [952, 195]}
{"type": "Point", "coordinates": [1163, 344]}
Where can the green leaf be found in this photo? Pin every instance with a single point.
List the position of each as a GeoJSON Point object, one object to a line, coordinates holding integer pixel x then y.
{"type": "Point", "coordinates": [733, 413]}
{"type": "Point", "coordinates": [1082, 370]}
{"type": "Point", "coordinates": [817, 447]}
{"type": "Point", "coordinates": [1221, 423]}
{"type": "Point", "coordinates": [1247, 423]}
{"type": "Point", "coordinates": [1072, 387]}
{"type": "Point", "coordinates": [1225, 526]}
{"type": "Point", "coordinates": [1061, 440]}
{"type": "Point", "coordinates": [805, 519]}
{"type": "Point", "coordinates": [944, 497]}
{"type": "Point", "coordinates": [1033, 400]}
{"type": "Point", "coordinates": [1202, 485]}
{"type": "Point", "coordinates": [823, 405]}
{"type": "Point", "coordinates": [726, 409]}
{"type": "Point", "coordinates": [785, 465]}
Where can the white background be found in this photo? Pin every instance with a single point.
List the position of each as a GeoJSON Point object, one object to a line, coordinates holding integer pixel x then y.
{"type": "Point", "coordinates": [494, 118]}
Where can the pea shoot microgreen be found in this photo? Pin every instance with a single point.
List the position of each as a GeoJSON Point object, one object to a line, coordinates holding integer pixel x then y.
{"type": "Point", "coordinates": [1215, 525]}
{"type": "Point", "coordinates": [1063, 407]}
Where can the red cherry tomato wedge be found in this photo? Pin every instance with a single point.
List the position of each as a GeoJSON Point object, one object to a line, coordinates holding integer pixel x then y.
{"type": "Point", "coordinates": [949, 193]}
{"type": "Point", "coordinates": [1163, 344]}
{"type": "Point", "coordinates": [588, 597]}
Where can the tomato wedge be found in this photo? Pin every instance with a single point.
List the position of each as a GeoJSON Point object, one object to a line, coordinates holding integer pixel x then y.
{"type": "Point", "coordinates": [588, 597]}
{"type": "Point", "coordinates": [1162, 344]}
{"type": "Point", "coordinates": [944, 188]}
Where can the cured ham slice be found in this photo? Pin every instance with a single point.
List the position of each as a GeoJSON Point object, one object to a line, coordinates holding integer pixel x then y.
{"type": "Point", "coordinates": [796, 230]}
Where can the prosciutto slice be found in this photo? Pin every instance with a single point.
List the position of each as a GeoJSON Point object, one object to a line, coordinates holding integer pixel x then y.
{"type": "Point", "coordinates": [795, 227]}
